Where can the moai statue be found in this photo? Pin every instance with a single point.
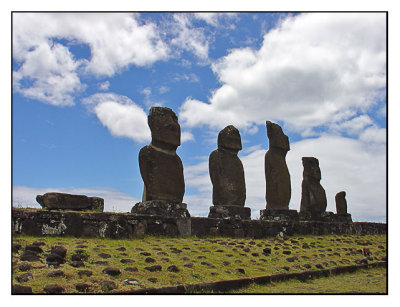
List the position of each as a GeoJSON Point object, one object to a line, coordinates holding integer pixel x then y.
{"type": "Point", "coordinates": [277, 177]}
{"type": "Point", "coordinates": [227, 177]}
{"type": "Point", "coordinates": [161, 168]}
{"type": "Point", "coordinates": [313, 197]}
{"type": "Point", "coordinates": [341, 208]}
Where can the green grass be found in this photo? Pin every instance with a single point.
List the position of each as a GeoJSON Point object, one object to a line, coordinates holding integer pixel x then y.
{"type": "Point", "coordinates": [371, 280]}
{"type": "Point", "coordinates": [328, 251]}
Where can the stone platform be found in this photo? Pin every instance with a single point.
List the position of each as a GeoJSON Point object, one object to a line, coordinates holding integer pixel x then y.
{"type": "Point", "coordinates": [37, 222]}
{"type": "Point", "coordinates": [278, 215]}
{"type": "Point", "coordinates": [161, 208]}
{"type": "Point", "coordinates": [237, 212]}
{"type": "Point", "coordinates": [327, 216]}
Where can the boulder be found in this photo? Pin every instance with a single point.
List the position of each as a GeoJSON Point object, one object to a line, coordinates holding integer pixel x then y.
{"type": "Point", "coordinates": [63, 201]}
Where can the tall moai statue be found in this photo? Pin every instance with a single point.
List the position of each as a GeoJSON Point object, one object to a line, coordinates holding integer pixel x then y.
{"type": "Point", "coordinates": [227, 177]}
{"type": "Point", "coordinates": [313, 196]}
{"type": "Point", "coordinates": [277, 177]}
{"type": "Point", "coordinates": [161, 168]}
{"type": "Point", "coordinates": [341, 207]}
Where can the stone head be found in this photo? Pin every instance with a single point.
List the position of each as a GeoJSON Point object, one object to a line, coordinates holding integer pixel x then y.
{"type": "Point", "coordinates": [229, 138]}
{"type": "Point", "coordinates": [311, 168]}
{"type": "Point", "coordinates": [341, 194]}
{"type": "Point", "coordinates": [164, 126]}
{"type": "Point", "coordinates": [276, 136]}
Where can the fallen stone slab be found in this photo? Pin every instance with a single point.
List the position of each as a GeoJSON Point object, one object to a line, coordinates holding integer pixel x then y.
{"type": "Point", "coordinates": [63, 201]}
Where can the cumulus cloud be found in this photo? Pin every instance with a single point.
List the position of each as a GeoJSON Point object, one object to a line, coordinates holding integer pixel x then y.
{"type": "Point", "coordinates": [121, 116]}
{"type": "Point", "coordinates": [307, 73]}
{"type": "Point", "coordinates": [104, 86]}
{"type": "Point", "coordinates": [346, 164]}
{"type": "Point", "coordinates": [214, 19]}
{"type": "Point", "coordinates": [49, 72]}
{"type": "Point", "coordinates": [114, 200]}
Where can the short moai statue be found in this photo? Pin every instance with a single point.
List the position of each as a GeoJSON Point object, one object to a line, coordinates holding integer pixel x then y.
{"type": "Point", "coordinates": [313, 196]}
{"type": "Point", "coordinates": [227, 176]}
{"type": "Point", "coordinates": [341, 207]}
{"type": "Point", "coordinates": [161, 168]}
{"type": "Point", "coordinates": [277, 177]}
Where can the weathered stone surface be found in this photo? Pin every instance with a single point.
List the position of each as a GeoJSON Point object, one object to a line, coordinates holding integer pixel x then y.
{"type": "Point", "coordinates": [29, 256]}
{"type": "Point", "coordinates": [313, 196]}
{"type": "Point", "coordinates": [108, 285]}
{"type": "Point", "coordinates": [25, 267]}
{"type": "Point", "coordinates": [237, 212]}
{"type": "Point", "coordinates": [161, 208]}
{"type": "Point", "coordinates": [56, 273]}
{"type": "Point", "coordinates": [24, 277]}
{"type": "Point", "coordinates": [226, 170]}
{"type": "Point", "coordinates": [341, 203]}
{"type": "Point", "coordinates": [278, 215]}
{"type": "Point", "coordinates": [277, 177]}
{"type": "Point", "coordinates": [112, 271]}
{"type": "Point", "coordinates": [82, 287]}
{"type": "Point", "coordinates": [63, 201]}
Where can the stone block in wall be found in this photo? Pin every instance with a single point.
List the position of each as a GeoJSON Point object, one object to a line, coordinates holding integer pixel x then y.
{"type": "Point", "coordinates": [235, 212]}
{"type": "Point", "coordinates": [278, 215]}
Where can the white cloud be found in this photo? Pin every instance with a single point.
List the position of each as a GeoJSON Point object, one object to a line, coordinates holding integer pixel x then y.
{"type": "Point", "coordinates": [121, 116]}
{"type": "Point", "coordinates": [115, 40]}
{"type": "Point", "coordinates": [114, 200]}
{"type": "Point", "coordinates": [186, 136]}
{"type": "Point", "coordinates": [214, 19]}
{"type": "Point", "coordinates": [104, 86]}
{"type": "Point", "coordinates": [50, 72]}
{"type": "Point", "coordinates": [307, 73]}
{"type": "Point", "coordinates": [189, 38]}
{"type": "Point", "coordinates": [346, 164]}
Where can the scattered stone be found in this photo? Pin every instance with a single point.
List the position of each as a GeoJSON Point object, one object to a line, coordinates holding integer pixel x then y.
{"type": "Point", "coordinates": [364, 260]}
{"type": "Point", "coordinates": [292, 259]}
{"type": "Point", "coordinates": [185, 258]}
{"type": "Point", "coordinates": [149, 260]}
{"type": "Point", "coordinates": [277, 177]}
{"type": "Point", "coordinates": [145, 254]}
{"type": "Point", "coordinates": [16, 248]}
{"type": "Point", "coordinates": [101, 262]}
{"type": "Point", "coordinates": [131, 269]}
{"type": "Point", "coordinates": [25, 267]}
{"type": "Point", "coordinates": [152, 280]}
{"type": "Point", "coordinates": [267, 251]}
{"type": "Point", "coordinates": [246, 249]}
{"type": "Point", "coordinates": [201, 257]}
{"type": "Point", "coordinates": [29, 256]}
{"type": "Point", "coordinates": [59, 250]}
{"type": "Point", "coordinates": [286, 252]}
{"type": "Point", "coordinates": [82, 287]}
{"type": "Point", "coordinates": [153, 268]}
{"type": "Point", "coordinates": [108, 285]}
{"type": "Point", "coordinates": [76, 264]}
{"type": "Point", "coordinates": [226, 263]}
{"type": "Point", "coordinates": [24, 277]}
{"type": "Point", "coordinates": [286, 268]}
{"type": "Point", "coordinates": [173, 268]}
{"type": "Point", "coordinates": [18, 289]}
{"type": "Point", "coordinates": [255, 254]}
{"type": "Point", "coordinates": [53, 289]}
{"type": "Point", "coordinates": [319, 266]}
{"type": "Point", "coordinates": [122, 249]}
{"type": "Point", "coordinates": [188, 265]}
{"type": "Point", "coordinates": [123, 260]}
{"type": "Point", "coordinates": [131, 282]}
{"type": "Point", "coordinates": [205, 263]}
{"type": "Point", "coordinates": [305, 246]}
{"type": "Point", "coordinates": [79, 251]}
{"type": "Point", "coordinates": [307, 266]}
{"type": "Point", "coordinates": [57, 273]}
{"type": "Point", "coordinates": [34, 248]}
{"type": "Point", "coordinates": [54, 258]}
{"type": "Point", "coordinates": [104, 255]}
{"type": "Point", "coordinates": [240, 270]}
{"type": "Point", "coordinates": [81, 246]}
{"type": "Point", "coordinates": [165, 259]}
{"type": "Point", "coordinates": [162, 253]}
{"type": "Point", "coordinates": [84, 273]}
{"type": "Point", "coordinates": [79, 257]}
{"type": "Point", "coordinates": [214, 273]}
{"type": "Point", "coordinates": [112, 271]}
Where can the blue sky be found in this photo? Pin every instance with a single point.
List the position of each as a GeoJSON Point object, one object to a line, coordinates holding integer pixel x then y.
{"type": "Point", "coordinates": [83, 85]}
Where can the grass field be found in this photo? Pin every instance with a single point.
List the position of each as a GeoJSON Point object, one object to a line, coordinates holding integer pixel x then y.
{"type": "Point", "coordinates": [189, 260]}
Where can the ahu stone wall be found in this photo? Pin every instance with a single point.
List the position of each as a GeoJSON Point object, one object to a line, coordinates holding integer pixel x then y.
{"type": "Point", "coordinates": [125, 225]}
